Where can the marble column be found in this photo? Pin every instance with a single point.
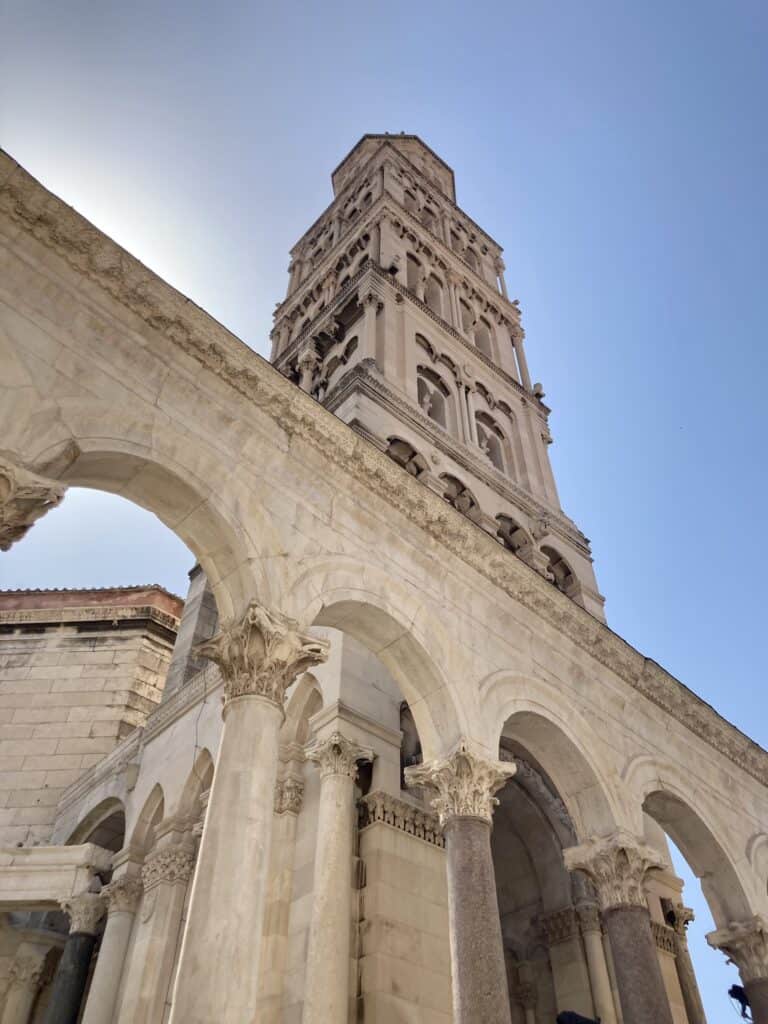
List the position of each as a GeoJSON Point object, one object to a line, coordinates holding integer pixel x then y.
{"type": "Point", "coordinates": [466, 787]}
{"type": "Point", "coordinates": [517, 334]}
{"type": "Point", "coordinates": [617, 865]}
{"type": "Point", "coordinates": [371, 304]}
{"type": "Point", "coordinates": [694, 1008]}
{"type": "Point", "coordinates": [599, 978]}
{"type": "Point", "coordinates": [746, 944]}
{"type": "Point", "coordinates": [23, 983]}
{"type": "Point", "coordinates": [499, 267]}
{"type": "Point", "coordinates": [85, 912]}
{"type": "Point", "coordinates": [259, 657]}
{"type": "Point", "coordinates": [471, 388]}
{"type": "Point", "coordinates": [122, 896]}
{"type": "Point", "coordinates": [326, 995]}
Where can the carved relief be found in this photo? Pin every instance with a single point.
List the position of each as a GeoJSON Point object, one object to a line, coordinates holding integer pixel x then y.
{"type": "Point", "coordinates": [466, 784]}
{"type": "Point", "coordinates": [262, 654]}
{"type": "Point", "coordinates": [338, 756]}
{"type": "Point", "coordinates": [617, 865]}
{"type": "Point", "coordinates": [170, 864]}
{"type": "Point", "coordinates": [289, 794]}
{"type": "Point", "coordinates": [24, 498]}
{"type": "Point", "coordinates": [26, 972]}
{"type": "Point", "coordinates": [745, 943]}
{"type": "Point", "coordinates": [123, 894]}
{"type": "Point", "coordinates": [589, 917]}
{"type": "Point", "coordinates": [560, 926]}
{"type": "Point", "coordinates": [85, 911]}
{"type": "Point", "coordinates": [398, 814]}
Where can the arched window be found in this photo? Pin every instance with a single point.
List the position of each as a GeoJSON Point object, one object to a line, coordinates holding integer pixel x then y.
{"type": "Point", "coordinates": [459, 496]}
{"type": "Point", "coordinates": [413, 274]}
{"type": "Point", "coordinates": [483, 337]}
{"type": "Point", "coordinates": [491, 440]}
{"type": "Point", "coordinates": [467, 317]}
{"type": "Point", "coordinates": [433, 295]}
{"type": "Point", "coordinates": [405, 455]}
{"type": "Point", "coordinates": [410, 203]}
{"type": "Point", "coordinates": [428, 218]}
{"type": "Point", "coordinates": [434, 396]}
{"type": "Point", "coordinates": [455, 242]}
{"type": "Point", "coordinates": [512, 536]}
{"type": "Point", "coordinates": [471, 257]}
{"type": "Point", "coordinates": [558, 571]}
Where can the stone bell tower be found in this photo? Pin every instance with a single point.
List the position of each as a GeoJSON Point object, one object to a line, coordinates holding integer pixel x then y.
{"type": "Point", "coordinates": [397, 319]}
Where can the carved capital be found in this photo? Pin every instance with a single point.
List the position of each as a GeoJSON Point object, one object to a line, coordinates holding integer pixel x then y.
{"type": "Point", "coordinates": [289, 794]}
{"type": "Point", "coordinates": [85, 911]}
{"type": "Point", "coordinates": [617, 864]}
{"type": "Point", "coordinates": [24, 498]}
{"type": "Point", "coordinates": [338, 756]}
{"type": "Point", "coordinates": [262, 654]}
{"type": "Point", "coordinates": [745, 943]}
{"type": "Point", "coordinates": [170, 864]}
{"type": "Point", "coordinates": [25, 972]}
{"type": "Point", "coordinates": [589, 917]}
{"type": "Point", "coordinates": [123, 894]}
{"type": "Point", "coordinates": [466, 784]}
{"type": "Point", "coordinates": [560, 926]}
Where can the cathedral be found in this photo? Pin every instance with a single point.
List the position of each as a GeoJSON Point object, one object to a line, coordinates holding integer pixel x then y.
{"type": "Point", "coordinates": [385, 762]}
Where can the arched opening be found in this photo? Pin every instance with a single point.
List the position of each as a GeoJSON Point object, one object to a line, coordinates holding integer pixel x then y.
{"type": "Point", "coordinates": [413, 274]}
{"type": "Point", "coordinates": [471, 257]}
{"type": "Point", "coordinates": [405, 455]}
{"type": "Point", "coordinates": [104, 826]}
{"type": "Point", "coordinates": [467, 317]}
{"type": "Point", "coordinates": [433, 294]}
{"type": "Point", "coordinates": [559, 572]}
{"type": "Point", "coordinates": [483, 337]}
{"type": "Point", "coordinates": [459, 496]}
{"type": "Point", "coordinates": [410, 202]}
{"type": "Point", "coordinates": [511, 535]}
{"type": "Point", "coordinates": [434, 397]}
{"type": "Point", "coordinates": [491, 440]}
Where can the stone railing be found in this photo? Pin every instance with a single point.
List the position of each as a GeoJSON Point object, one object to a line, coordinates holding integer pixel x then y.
{"type": "Point", "coordinates": [664, 937]}
{"type": "Point", "coordinates": [399, 814]}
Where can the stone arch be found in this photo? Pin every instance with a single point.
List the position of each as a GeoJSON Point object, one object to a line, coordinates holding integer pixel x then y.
{"type": "Point", "coordinates": [151, 814]}
{"type": "Point", "coordinates": [757, 855]}
{"type": "Point", "coordinates": [662, 792]}
{"type": "Point", "coordinates": [305, 700]}
{"type": "Point", "coordinates": [389, 618]}
{"type": "Point", "coordinates": [103, 825]}
{"type": "Point", "coordinates": [198, 782]}
{"type": "Point", "coordinates": [533, 715]}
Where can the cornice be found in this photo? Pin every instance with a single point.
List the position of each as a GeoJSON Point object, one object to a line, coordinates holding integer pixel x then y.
{"type": "Point", "coordinates": [90, 253]}
{"type": "Point", "coordinates": [360, 378]}
{"type": "Point", "coordinates": [109, 614]}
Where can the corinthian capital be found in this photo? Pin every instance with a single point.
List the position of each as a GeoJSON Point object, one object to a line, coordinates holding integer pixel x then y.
{"type": "Point", "coordinates": [24, 497]}
{"type": "Point", "coordinates": [617, 864]}
{"type": "Point", "coordinates": [85, 911]}
{"type": "Point", "coordinates": [262, 654]}
{"type": "Point", "coordinates": [746, 944]}
{"type": "Point", "coordinates": [338, 756]}
{"type": "Point", "coordinates": [123, 894]}
{"type": "Point", "coordinates": [170, 864]}
{"type": "Point", "coordinates": [466, 784]}
{"type": "Point", "coordinates": [25, 972]}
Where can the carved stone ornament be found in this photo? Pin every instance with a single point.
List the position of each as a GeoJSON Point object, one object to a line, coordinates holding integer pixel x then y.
{"type": "Point", "coordinates": [664, 937]}
{"type": "Point", "coordinates": [24, 498]}
{"type": "Point", "coordinates": [617, 865]}
{"type": "Point", "coordinates": [123, 894]}
{"type": "Point", "coordinates": [589, 917]}
{"type": "Point", "coordinates": [391, 810]}
{"type": "Point", "coordinates": [745, 943]}
{"type": "Point", "coordinates": [466, 784]}
{"type": "Point", "coordinates": [262, 654]}
{"type": "Point", "coordinates": [289, 794]}
{"type": "Point", "coordinates": [560, 926]}
{"type": "Point", "coordinates": [85, 911]}
{"type": "Point", "coordinates": [25, 972]}
{"type": "Point", "coordinates": [169, 864]}
{"type": "Point", "coordinates": [338, 756]}
{"type": "Point", "coordinates": [683, 917]}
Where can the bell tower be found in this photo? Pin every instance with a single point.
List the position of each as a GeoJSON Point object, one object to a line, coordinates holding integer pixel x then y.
{"type": "Point", "coordinates": [397, 319]}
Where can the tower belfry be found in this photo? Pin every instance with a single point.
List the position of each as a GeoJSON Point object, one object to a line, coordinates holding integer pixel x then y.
{"type": "Point", "coordinates": [398, 320]}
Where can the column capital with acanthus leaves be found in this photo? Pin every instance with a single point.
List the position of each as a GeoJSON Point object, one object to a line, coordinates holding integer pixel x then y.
{"type": "Point", "coordinates": [746, 944]}
{"type": "Point", "coordinates": [617, 864]}
{"type": "Point", "coordinates": [465, 783]}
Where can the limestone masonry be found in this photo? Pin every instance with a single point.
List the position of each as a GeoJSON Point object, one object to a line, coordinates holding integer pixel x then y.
{"type": "Point", "coordinates": [386, 763]}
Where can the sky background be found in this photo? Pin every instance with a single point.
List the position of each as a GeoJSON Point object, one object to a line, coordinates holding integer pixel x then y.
{"type": "Point", "coordinates": [619, 153]}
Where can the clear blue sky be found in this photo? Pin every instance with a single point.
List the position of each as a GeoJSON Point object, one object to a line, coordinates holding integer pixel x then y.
{"type": "Point", "coordinates": [618, 152]}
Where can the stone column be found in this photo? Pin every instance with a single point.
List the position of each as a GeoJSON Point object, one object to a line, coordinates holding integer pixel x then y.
{"type": "Point", "coordinates": [517, 334]}
{"type": "Point", "coordinates": [259, 656]}
{"type": "Point", "coordinates": [745, 943]}
{"type": "Point", "coordinates": [471, 388]}
{"type": "Point", "coordinates": [599, 979]}
{"type": "Point", "coordinates": [326, 998]}
{"type": "Point", "coordinates": [527, 997]}
{"type": "Point", "coordinates": [23, 983]}
{"type": "Point", "coordinates": [617, 865]}
{"type": "Point", "coordinates": [85, 911]}
{"type": "Point", "coordinates": [500, 268]}
{"type": "Point", "coordinates": [694, 1008]}
{"type": "Point", "coordinates": [122, 896]}
{"type": "Point", "coordinates": [465, 799]}
{"type": "Point", "coordinates": [371, 304]}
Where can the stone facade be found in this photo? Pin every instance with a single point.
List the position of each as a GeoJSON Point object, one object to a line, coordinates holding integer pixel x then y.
{"type": "Point", "coordinates": [403, 611]}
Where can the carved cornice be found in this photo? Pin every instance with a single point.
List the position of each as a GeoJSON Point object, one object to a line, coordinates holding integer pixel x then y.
{"type": "Point", "coordinates": [24, 498]}
{"type": "Point", "coordinates": [337, 755]}
{"type": "Point", "coordinates": [617, 864]}
{"type": "Point", "coordinates": [85, 911]}
{"type": "Point", "coordinates": [466, 784]}
{"type": "Point", "coordinates": [183, 324]}
{"type": "Point", "coordinates": [745, 943]}
{"type": "Point", "coordinates": [397, 813]}
{"type": "Point", "coordinates": [63, 616]}
{"type": "Point", "coordinates": [289, 794]}
{"type": "Point", "coordinates": [664, 937]}
{"type": "Point", "coordinates": [123, 894]}
{"type": "Point", "coordinates": [262, 654]}
{"type": "Point", "coordinates": [560, 926]}
{"type": "Point", "coordinates": [170, 864]}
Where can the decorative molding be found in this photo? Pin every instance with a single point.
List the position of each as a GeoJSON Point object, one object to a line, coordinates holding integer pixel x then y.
{"type": "Point", "coordinates": [664, 937]}
{"type": "Point", "coordinates": [25, 202]}
{"type": "Point", "coordinates": [65, 616]}
{"type": "Point", "coordinates": [397, 813]}
{"type": "Point", "coordinates": [25, 972]}
{"type": "Point", "coordinates": [123, 894]}
{"type": "Point", "coordinates": [85, 911]}
{"type": "Point", "coordinates": [560, 926]}
{"type": "Point", "coordinates": [337, 755]}
{"type": "Point", "coordinates": [170, 864]}
{"type": "Point", "coordinates": [262, 654]}
{"type": "Point", "coordinates": [289, 794]}
{"type": "Point", "coordinates": [24, 498]}
{"type": "Point", "coordinates": [745, 943]}
{"type": "Point", "coordinates": [589, 917]}
{"type": "Point", "coordinates": [617, 864]}
{"type": "Point", "coordinates": [466, 784]}
{"type": "Point", "coordinates": [192, 692]}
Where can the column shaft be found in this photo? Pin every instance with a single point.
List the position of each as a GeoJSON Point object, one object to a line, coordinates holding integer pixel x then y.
{"type": "Point", "coordinates": [480, 993]}
{"type": "Point", "coordinates": [638, 974]}
{"type": "Point", "coordinates": [599, 978]}
{"type": "Point", "coordinates": [218, 968]}
{"type": "Point", "coordinates": [70, 979]}
{"type": "Point", "coordinates": [757, 994]}
{"type": "Point", "coordinates": [102, 995]}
